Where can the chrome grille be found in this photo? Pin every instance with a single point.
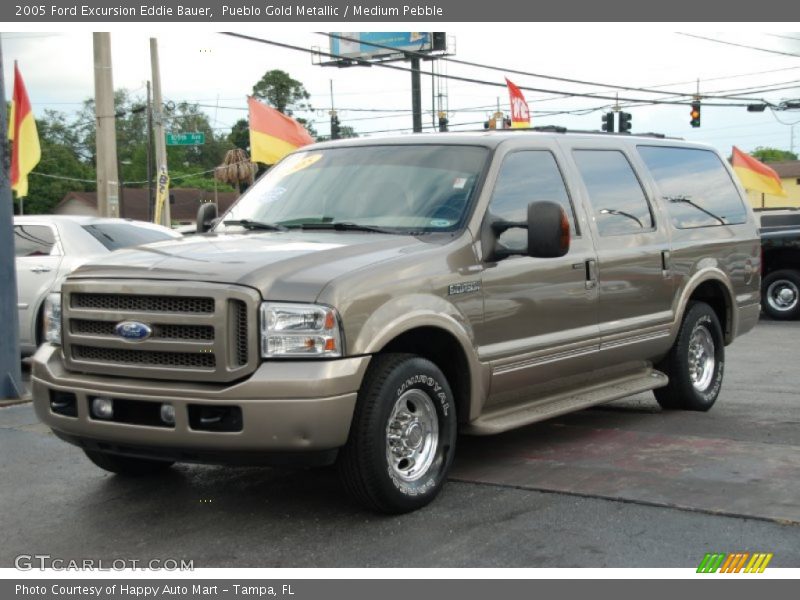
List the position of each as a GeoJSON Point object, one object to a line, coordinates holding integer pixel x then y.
{"type": "Point", "coordinates": [199, 331]}
{"type": "Point", "coordinates": [132, 302]}
{"type": "Point", "coordinates": [145, 357]}
{"type": "Point", "coordinates": [160, 332]}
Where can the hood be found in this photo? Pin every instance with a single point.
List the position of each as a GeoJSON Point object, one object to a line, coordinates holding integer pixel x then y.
{"type": "Point", "coordinates": [290, 265]}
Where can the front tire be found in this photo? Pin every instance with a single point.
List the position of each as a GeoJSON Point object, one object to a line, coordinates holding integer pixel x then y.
{"type": "Point", "coordinates": [780, 295]}
{"type": "Point", "coordinates": [695, 363]}
{"type": "Point", "coordinates": [403, 435]}
{"type": "Point", "coordinates": [127, 465]}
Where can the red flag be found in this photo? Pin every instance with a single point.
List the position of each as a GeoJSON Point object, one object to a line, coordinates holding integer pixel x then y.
{"type": "Point", "coordinates": [520, 115]}
{"type": "Point", "coordinates": [273, 135]}
{"type": "Point", "coordinates": [755, 175]}
{"type": "Point", "coordinates": [26, 152]}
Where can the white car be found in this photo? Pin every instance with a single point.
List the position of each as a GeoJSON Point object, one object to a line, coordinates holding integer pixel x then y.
{"type": "Point", "coordinates": [49, 247]}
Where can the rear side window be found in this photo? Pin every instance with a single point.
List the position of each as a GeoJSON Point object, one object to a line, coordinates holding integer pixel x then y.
{"type": "Point", "coordinates": [121, 235]}
{"type": "Point", "coordinates": [619, 203]}
{"type": "Point", "coordinates": [33, 240]}
{"type": "Point", "coordinates": [695, 186]}
{"type": "Point", "coordinates": [525, 177]}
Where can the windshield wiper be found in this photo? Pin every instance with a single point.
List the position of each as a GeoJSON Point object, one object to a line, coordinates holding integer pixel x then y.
{"type": "Point", "coordinates": [345, 226]}
{"type": "Point", "coordinates": [690, 202]}
{"type": "Point", "coordinates": [250, 224]}
{"type": "Point", "coordinates": [621, 213]}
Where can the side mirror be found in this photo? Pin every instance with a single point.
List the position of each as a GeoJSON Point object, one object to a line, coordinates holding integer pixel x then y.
{"type": "Point", "coordinates": [548, 233]}
{"type": "Point", "coordinates": [205, 216]}
{"type": "Point", "coordinates": [548, 230]}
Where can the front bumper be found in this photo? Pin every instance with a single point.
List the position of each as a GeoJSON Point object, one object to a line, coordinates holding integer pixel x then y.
{"type": "Point", "coordinates": [287, 407]}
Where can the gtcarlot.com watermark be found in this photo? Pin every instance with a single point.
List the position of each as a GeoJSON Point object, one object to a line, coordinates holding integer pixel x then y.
{"type": "Point", "coordinates": [46, 562]}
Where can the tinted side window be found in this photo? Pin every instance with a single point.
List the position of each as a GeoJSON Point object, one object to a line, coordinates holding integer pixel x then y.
{"type": "Point", "coordinates": [33, 240]}
{"type": "Point", "coordinates": [121, 235]}
{"type": "Point", "coordinates": [525, 177]}
{"type": "Point", "coordinates": [616, 195]}
{"type": "Point", "coordinates": [695, 186]}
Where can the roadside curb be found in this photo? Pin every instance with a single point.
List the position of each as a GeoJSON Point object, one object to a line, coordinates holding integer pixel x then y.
{"type": "Point", "coordinates": [14, 401]}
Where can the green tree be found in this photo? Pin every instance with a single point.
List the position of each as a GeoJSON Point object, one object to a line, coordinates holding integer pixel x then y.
{"type": "Point", "coordinates": [285, 94]}
{"type": "Point", "coordinates": [282, 92]}
{"type": "Point", "coordinates": [131, 128]}
{"type": "Point", "coordinates": [767, 154]}
{"type": "Point", "coordinates": [186, 118]}
{"type": "Point", "coordinates": [240, 135]}
{"type": "Point", "coordinates": [62, 168]}
{"type": "Point", "coordinates": [346, 131]}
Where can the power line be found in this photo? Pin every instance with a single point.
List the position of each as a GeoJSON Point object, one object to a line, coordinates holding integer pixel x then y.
{"type": "Point", "coordinates": [785, 37]}
{"type": "Point", "coordinates": [503, 69]}
{"type": "Point", "coordinates": [469, 79]}
{"type": "Point", "coordinates": [648, 90]}
{"type": "Point", "coordinates": [708, 39]}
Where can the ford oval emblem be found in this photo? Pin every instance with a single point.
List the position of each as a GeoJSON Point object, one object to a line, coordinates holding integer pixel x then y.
{"type": "Point", "coordinates": [133, 330]}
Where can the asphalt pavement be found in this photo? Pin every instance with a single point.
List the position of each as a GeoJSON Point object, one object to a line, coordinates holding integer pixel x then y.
{"type": "Point", "coordinates": [623, 485]}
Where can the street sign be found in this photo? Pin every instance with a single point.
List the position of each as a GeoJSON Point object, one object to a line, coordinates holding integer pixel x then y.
{"type": "Point", "coordinates": [192, 138]}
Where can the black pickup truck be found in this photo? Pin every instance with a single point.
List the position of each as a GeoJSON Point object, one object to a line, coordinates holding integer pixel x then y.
{"type": "Point", "coordinates": [780, 248]}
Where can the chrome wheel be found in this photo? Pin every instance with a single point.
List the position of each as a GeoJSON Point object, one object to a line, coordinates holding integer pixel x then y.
{"type": "Point", "coordinates": [412, 435]}
{"type": "Point", "coordinates": [701, 358]}
{"type": "Point", "coordinates": [782, 295]}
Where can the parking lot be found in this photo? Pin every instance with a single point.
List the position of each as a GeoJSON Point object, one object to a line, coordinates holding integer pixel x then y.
{"type": "Point", "coordinates": [623, 485]}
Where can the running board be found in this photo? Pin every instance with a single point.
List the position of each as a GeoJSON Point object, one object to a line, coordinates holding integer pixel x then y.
{"type": "Point", "coordinates": [539, 409]}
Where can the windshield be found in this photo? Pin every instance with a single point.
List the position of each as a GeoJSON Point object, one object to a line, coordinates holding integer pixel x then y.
{"type": "Point", "coordinates": [121, 235]}
{"type": "Point", "coordinates": [397, 188]}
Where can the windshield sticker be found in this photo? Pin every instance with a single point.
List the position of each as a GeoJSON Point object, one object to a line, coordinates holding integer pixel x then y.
{"type": "Point", "coordinates": [274, 194]}
{"type": "Point", "coordinates": [297, 165]}
{"type": "Point", "coordinates": [440, 223]}
{"type": "Point", "coordinates": [459, 183]}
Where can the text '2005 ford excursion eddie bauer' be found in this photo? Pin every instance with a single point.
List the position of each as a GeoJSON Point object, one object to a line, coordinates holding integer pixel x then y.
{"type": "Point", "coordinates": [366, 300]}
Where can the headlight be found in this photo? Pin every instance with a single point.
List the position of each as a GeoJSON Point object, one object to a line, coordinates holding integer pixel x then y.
{"type": "Point", "coordinates": [52, 318]}
{"type": "Point", "coordinates": [300, 330]}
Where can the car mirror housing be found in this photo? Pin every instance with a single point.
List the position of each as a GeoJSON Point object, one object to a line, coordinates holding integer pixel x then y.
{"type": "Point", "coordinates": [548, 233]}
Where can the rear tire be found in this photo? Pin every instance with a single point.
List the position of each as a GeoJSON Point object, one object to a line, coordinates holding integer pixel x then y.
{"type": "Point", "coordinates": [402, 439]}
{"type": "Point", "coordinates": [127, 465]}
{"type": "Point", "coordinates": [695, 363]}
{"type": "Point", "coordinates": [780, 295]}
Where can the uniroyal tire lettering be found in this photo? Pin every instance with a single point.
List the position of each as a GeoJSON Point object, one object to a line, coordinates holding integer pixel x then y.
{"type": "Point", "coordinates": [429, 381]}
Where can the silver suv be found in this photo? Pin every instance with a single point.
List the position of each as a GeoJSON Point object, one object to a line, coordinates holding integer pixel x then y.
{"type": "Point", "coordinates": [366, 300]}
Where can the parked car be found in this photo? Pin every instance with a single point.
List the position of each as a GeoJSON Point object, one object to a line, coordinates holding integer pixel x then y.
{"type": "Point", "coordinates": [49, 247]}
{"type": "Point", "coordinates": [366, 299]}
{"type": "Point", "coordinates": [780, 244]}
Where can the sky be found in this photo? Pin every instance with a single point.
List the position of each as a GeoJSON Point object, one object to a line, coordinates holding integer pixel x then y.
{"type": "Point", "coordinates": [216, 71]}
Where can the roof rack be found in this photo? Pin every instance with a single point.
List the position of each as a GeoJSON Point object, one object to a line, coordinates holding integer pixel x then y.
{"type": "Point", "coordinates": [561, 129]}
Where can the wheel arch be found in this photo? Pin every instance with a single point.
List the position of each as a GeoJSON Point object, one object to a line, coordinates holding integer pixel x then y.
{"type": "Point", "coordinates": [713, 287]}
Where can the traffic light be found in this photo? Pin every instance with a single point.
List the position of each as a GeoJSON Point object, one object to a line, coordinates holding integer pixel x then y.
{"type": "Point", "coordinates": [336, 132]}
{"type": "Point", "coordinates": [608, 122]}
{"type": "Point", "coordinates": [624, 122]}
{"type": "Point", "coordinates": [695, 114]}
{"type": "Point", "coordinates": [443, 121]}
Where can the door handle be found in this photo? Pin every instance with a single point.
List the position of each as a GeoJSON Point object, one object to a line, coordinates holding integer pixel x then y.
{"type": "Point", "coordinates": [666, 271]}
{"type": "Point", "coordinates": [41, 269]}
{"type": "Point", "coordinates": [591, 274]}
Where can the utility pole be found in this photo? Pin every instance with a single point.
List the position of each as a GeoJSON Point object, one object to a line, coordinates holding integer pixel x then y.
{"type": "Point", "coordinates": [10, 372]}
{"type": "Point", "coordinates": [416, 94]}
{"type": "Point", "coordinates": [150, 197]}
{"type": "Point", "coordinates": [162, 196]}
{"type": "Point", "coordinates": [107, 176]}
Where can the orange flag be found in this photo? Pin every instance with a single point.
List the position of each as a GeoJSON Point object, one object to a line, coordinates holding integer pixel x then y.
{"type": "Point", "coordinates": [520, 115]}
{"type": "Point", "coordinates": [273, 135]}
{"type": "Point", "coordinates": [26, 152]}
{"type": "Point", "coordinates": [755, 175]}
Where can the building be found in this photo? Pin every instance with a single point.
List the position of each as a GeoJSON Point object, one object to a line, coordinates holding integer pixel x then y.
{"type": "Point", "coordinates": [789, 172]}
{"type": "Point", "coordinates": [184, 203]}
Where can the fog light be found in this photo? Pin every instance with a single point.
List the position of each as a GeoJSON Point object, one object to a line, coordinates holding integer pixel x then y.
{"type": "Point", "coordinates": [103, 408]}
{"type": "Point", "coordinates": [168, 414]}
